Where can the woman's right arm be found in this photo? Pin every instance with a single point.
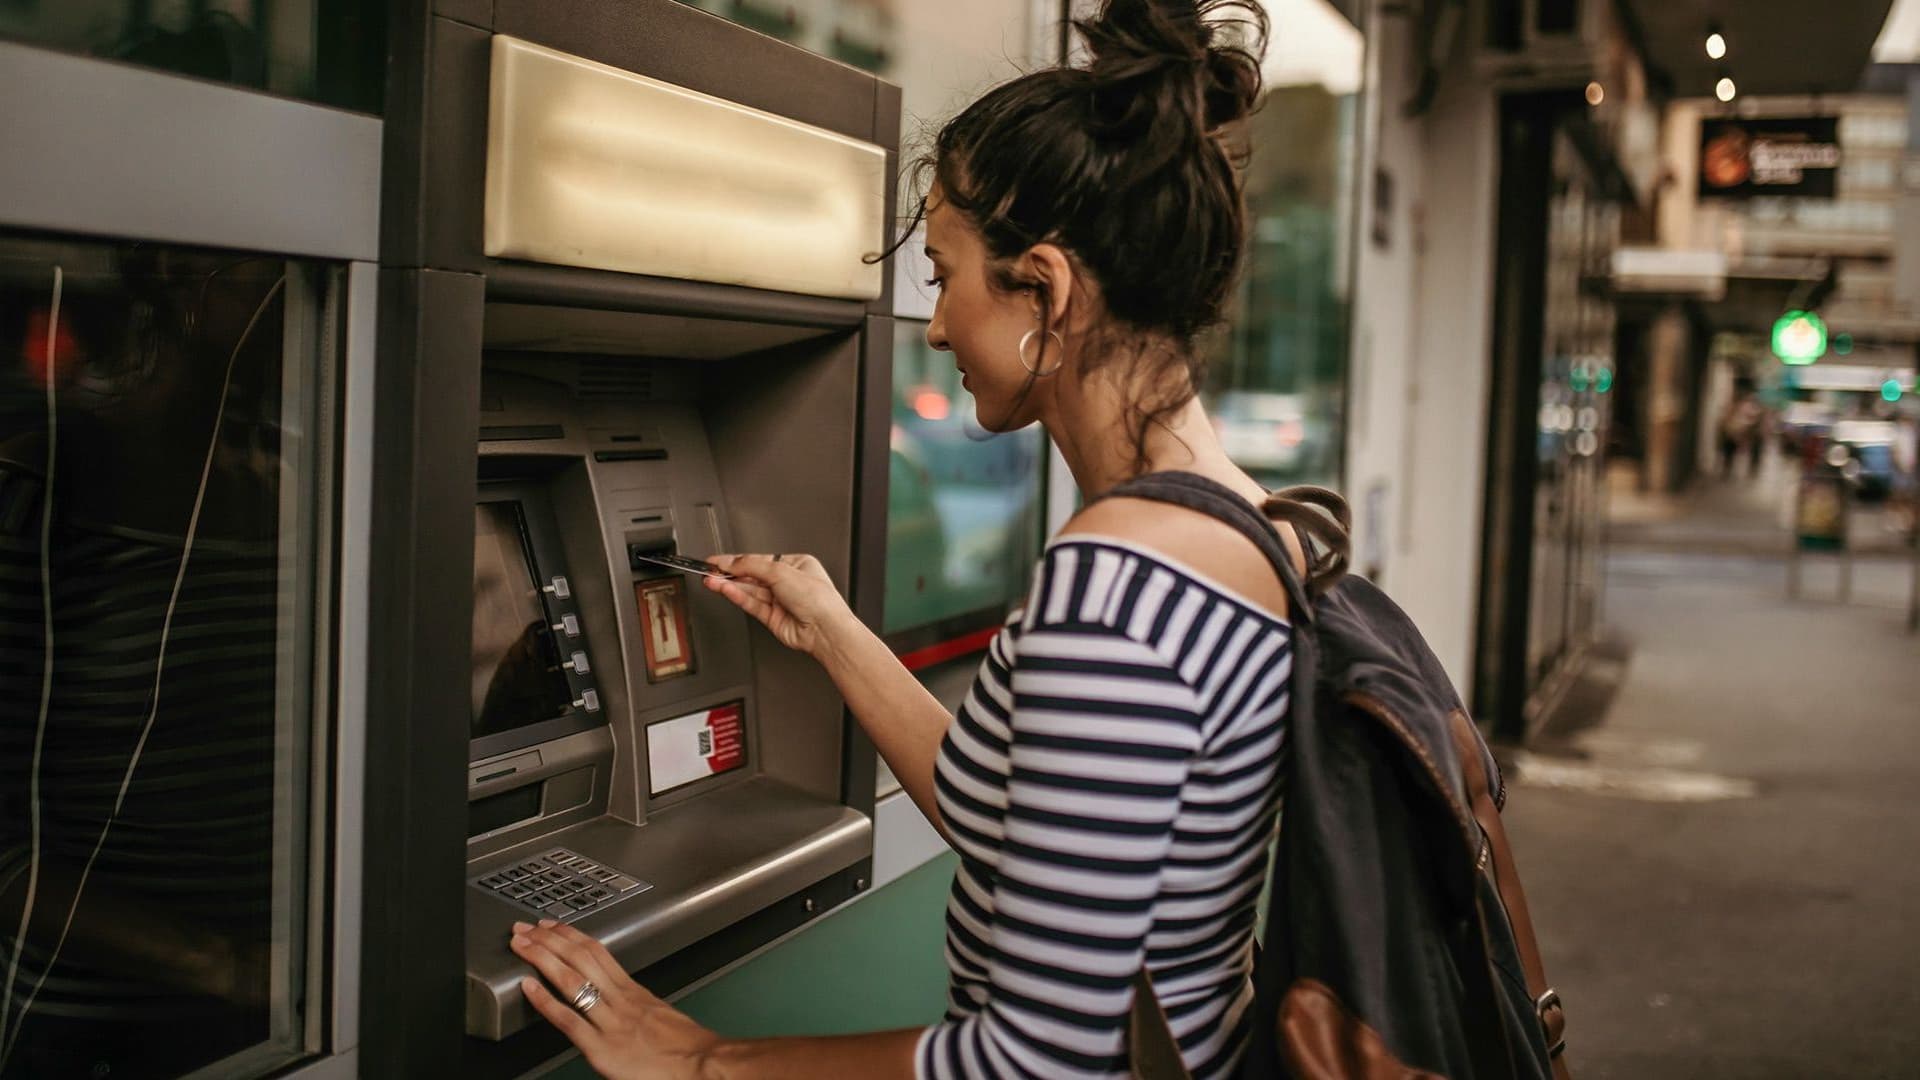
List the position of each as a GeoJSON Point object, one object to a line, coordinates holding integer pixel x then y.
{"type": "Point", "coordinates": [796, 600]}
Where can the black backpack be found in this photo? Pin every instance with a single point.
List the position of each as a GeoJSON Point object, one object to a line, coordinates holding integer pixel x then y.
{"type": "Point", "coordinates": [1397, 940]}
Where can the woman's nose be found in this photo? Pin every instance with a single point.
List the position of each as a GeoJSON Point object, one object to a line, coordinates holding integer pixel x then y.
{"type": "Point", "coordinates": [937, 334]}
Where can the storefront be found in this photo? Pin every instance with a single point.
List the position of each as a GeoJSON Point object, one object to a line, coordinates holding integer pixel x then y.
{"type": "Point", "coordinates": [1554, 369]}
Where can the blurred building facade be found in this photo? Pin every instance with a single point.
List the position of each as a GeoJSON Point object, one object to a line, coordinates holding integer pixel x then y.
{"type": "Point", "coordinates": [1545, 281]}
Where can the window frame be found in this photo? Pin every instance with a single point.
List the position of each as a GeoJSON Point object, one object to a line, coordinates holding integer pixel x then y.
{"type": "Point", "coordinates": [98, 152]}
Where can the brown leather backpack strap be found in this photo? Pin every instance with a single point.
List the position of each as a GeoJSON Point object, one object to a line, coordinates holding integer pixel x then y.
{"type": "Point", "coordinates": [1486, 810]}
{"type": "Point", "coordinates": [1152, 1051]}
{"type": "Point", "coordinates": [1322, 517]}
{"type": "Point", "coordinates": [1325, 498]}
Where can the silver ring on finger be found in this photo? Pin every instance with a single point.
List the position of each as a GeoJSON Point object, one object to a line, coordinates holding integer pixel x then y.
{"type": "Point", "coordinates": [586, 997]}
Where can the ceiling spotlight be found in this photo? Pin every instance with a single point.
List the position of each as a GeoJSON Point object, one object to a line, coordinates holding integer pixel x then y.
{"type": "Point", "coordinates": [1716, 45]}
{"type": "Point", "coordinates": [1724, 89]}
{"type": "Point", "coordinates": [1596, 93]}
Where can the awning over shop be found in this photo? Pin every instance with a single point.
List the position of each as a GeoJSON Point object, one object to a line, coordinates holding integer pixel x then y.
{"type": "Point", "coordinates": [1773, 46]}
{"type": "Point", "coordinates": [1744, 294]}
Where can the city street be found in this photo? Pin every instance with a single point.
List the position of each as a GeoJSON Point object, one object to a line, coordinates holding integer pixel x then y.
{"type": "Point", "coordinates": [1721, 864]}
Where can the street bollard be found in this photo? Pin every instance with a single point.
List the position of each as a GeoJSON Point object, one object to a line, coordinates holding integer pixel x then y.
{"type": "Point", "coordinates": [1822, 506]}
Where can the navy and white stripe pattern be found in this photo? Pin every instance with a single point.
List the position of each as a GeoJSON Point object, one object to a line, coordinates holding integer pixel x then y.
{"type": "Point", "coordinates": [190, 853]}
{"type": "Point", "coordinates": [1111, 783]}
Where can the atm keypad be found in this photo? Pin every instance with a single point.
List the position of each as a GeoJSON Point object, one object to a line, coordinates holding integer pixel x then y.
{"type": "Point", "coordinates": [560, 885]}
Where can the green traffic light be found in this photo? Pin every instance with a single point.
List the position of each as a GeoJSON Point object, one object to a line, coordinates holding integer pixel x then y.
{"type": "Point", "coordinates": [1799, 337]}
{"type": "Point", "coordinates": [1605, 381]}
{"type": "Point", "coordinates": [1843, 343]}
{"type": "Point", "coordinates": [1890, 390]}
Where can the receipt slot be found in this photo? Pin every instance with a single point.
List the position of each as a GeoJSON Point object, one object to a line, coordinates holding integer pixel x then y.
{"type": "Point", "coordinates": [645, 328]}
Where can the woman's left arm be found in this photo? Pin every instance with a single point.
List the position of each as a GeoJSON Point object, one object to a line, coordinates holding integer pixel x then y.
{"type": "Point", "coordinates": [631, 1034]}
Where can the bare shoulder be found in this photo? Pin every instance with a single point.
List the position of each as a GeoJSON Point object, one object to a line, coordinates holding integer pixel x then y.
{"type": "Point", "coordinates": [1191, 538]}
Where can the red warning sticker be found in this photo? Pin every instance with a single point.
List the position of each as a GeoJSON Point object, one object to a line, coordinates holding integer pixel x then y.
{"type": "Point", "coordinates": [728, 745]}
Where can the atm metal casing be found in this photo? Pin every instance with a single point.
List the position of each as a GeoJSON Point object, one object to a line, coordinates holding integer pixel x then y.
{"type": "Point", "coordinates": [802, 458]}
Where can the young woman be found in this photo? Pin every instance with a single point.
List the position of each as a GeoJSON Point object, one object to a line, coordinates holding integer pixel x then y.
{"type": "Point", "coordinates": [1111, 780]}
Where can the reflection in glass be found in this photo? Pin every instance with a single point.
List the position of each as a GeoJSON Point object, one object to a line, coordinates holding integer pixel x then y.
{"type": "Point", "coordinates": [1575, 409]}
{"type": "Point", "coordinates": [1277, 372]}
{"type": "Point", "coordinates": [159, 444]}
{"type": "Point", "coordinates": [963, 505]}
{"type": "Point", "coordinates": [856, 32]}
{"type": "Point", "coordinates": [517, 679]}
{"type": "Point", "coordinates": [329, 51]}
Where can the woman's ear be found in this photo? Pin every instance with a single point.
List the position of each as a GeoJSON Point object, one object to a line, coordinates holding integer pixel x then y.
{"type": "Point", "coordinates": [1050, 265]}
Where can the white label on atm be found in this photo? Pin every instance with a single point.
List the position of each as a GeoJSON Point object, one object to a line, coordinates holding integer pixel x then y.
{"type": "Point", "coordinates": [695, 746]}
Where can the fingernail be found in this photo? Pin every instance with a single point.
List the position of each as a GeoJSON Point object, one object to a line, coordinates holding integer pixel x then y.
{"type": "Point", "coordinates": [519, 941]}
{"type": "Point", "coordinates": [521, 928]}
{"type": "Point", "coordinates": [544, 923]}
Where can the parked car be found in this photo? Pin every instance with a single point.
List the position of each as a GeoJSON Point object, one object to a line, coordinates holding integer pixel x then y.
{"type": "Point", "coordinates": [1270, 435]}
{"type": "Point", "coordinates": [1863, 451]}
{"type": "Point", "coordinates": [1802, 421]}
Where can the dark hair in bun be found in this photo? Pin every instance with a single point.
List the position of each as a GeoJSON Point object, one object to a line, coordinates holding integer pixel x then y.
{"type": "Point", "coordinates": [1126, 164]}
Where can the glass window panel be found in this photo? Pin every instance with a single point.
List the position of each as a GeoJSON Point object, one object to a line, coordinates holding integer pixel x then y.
{"type": "Point", "coordinates": [1277, 371]}
{"type": "Point", "coordinates": [330, 51]}
{"type": "Point", "coordinates": [963, 505]}
{"type": "Point", "coordinates": [932, 49]}
{"type": "Point", "coordinates": [162, 433]}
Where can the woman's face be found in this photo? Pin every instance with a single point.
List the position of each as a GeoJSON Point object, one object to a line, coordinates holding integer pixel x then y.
{"type": "Point", "coordinates": [982, 325]}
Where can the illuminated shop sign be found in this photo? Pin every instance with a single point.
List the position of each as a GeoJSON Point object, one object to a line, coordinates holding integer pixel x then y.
{"type": "Point", "coordinates": [1741, 158]}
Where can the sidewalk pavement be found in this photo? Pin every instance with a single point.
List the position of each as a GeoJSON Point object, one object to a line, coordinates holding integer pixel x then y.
{"type": "Point", "coordinates": [1747, 515]}
{"type": "Point", "coordinates": [1721, 870]}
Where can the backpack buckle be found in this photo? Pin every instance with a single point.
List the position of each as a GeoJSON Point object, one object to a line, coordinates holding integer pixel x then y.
{"type": "Point", "coordinates": [1550, 1000]}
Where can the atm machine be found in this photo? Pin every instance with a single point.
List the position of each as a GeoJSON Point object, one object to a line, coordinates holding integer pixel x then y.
{"type": "Point", "coordinates": [635, 269]}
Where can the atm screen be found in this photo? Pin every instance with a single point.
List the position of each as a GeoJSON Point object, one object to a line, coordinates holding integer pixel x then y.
{"type": "Point", "coordinates": [517, 678]}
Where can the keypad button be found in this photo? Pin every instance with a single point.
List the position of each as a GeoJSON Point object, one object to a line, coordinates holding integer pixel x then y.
{"type": "Point", "coordinates": [623, 883]}
{"type": "Point", "coordinates": [495, 881]}
{"type": "Point", "coordinates": [598, 893]}
{"type": "Point", "coordinates": [562, 858]}
{"type": "Point", "coordinates": [579, 903]}
{"type": "Point", "coordinates": [517, 892]}
{"type": "Point", "coordinates": [602, 874]}
{"type": "Point", "coordinates": [582, 866]}
{"type": "Point", "coordinates": [515, 874]}
{"type": "Point", "coordinates": [553, 877]}
{"type": "Point", "coordinates": [534, 866]}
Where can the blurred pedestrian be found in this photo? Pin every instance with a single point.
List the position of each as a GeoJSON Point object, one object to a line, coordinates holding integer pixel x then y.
{"type": "Point", "coordinates": [1740, 432]}
{"type": "Point", "coordinates": [1906, 476]}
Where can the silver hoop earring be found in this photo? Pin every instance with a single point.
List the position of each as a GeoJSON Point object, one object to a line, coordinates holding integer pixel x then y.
{"type": "Point", "coordinates": [1029, 336]}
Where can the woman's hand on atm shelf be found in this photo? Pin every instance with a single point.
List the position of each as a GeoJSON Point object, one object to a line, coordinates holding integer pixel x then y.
{"type": "Point", "coordinates": [629, 1034]}
{"type": "Point", "coordinates": [790, 594]}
